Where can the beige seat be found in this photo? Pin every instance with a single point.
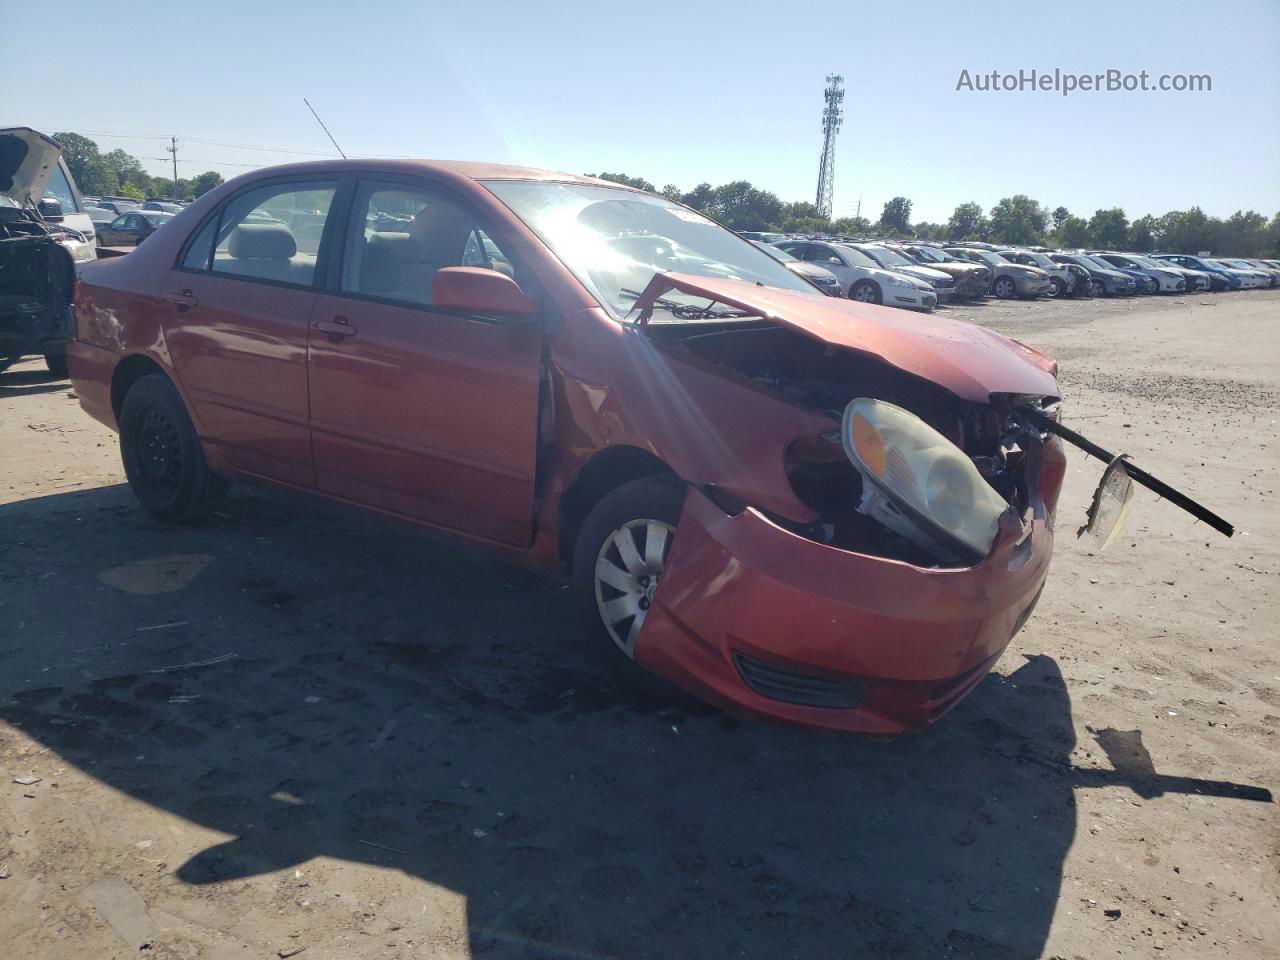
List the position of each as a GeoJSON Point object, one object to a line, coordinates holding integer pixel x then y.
{"type": "Point", "coordinates": [265, 251]}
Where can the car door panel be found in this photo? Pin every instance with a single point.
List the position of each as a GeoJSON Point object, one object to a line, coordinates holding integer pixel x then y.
{"type": "Point", "coordinates": [421, 411]}
{"type": "Point", "coordinates": [427, 415]}
{"type": "Point", "coordinates": [240, 350]}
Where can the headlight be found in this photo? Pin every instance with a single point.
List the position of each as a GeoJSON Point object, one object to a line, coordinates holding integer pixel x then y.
{"type": "Point", "coordinates": [898, 282]}
{"type": "Point", "coordinates": [917, 482]}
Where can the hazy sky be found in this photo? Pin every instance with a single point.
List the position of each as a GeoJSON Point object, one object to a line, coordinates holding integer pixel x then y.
{"type": "Point", "coordinates": [683, 92]}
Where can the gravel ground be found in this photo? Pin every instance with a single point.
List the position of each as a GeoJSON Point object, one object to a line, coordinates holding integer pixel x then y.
{"type": "Point", "coordinates": [294, 729]}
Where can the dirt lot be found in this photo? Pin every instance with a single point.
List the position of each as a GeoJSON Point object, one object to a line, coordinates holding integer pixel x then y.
{"type": "Point", "coordinates": [296, 729]}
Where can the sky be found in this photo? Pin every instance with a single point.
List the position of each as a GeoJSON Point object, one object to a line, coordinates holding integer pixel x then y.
{"type": "Point", "coordinates": [682, 92]}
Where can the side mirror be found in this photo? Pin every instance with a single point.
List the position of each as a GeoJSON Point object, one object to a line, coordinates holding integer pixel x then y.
{"type": "Point", "coordinates": [50, 209]}
{"type": "Point", "coordinates": [476, 290]}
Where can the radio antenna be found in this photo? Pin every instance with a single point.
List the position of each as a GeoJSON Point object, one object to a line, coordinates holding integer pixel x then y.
{"type": "Point", "coordinates": [323, 127]}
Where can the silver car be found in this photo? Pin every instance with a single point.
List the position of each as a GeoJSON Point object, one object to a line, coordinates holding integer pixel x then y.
{"type": "Point", "coordinates": [861, 277]}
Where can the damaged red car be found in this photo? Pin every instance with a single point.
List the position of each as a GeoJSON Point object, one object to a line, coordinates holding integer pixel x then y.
{"type": "Point", "coordinates": [826, 512]}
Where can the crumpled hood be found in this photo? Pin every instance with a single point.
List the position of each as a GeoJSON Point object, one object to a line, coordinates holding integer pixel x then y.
{"type": "Point", "coordinates": [27, 158]}
{"type": "Point", "coordinates": [970, 361]}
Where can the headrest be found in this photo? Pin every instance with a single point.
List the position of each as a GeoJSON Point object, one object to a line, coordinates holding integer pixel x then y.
{"type": "Point", "coordinates": [262, 241]}
{"type": "Point", "coordinates": [379, 269]}
{"type": "Point", "coordinates": [406, 248]}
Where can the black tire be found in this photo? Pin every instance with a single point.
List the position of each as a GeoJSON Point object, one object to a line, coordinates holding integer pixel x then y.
{"type": "Point", "coordinates": [658, 498]}
{"type": "Point", "coordinates": [869, 290]}
{"type": "Point", "coordinates": [57, 364]}
{"type": "Point", "coordinates": [162, 455]}
{"type": "Point", "coordinates": [1097, 287]}
{"type": "Point", "coordinates": [1056, 287]}
{"type": "Point", "coordinates": [1004, 288]}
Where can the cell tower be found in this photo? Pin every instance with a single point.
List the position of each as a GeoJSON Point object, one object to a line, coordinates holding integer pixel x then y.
{"type": "Point", "coordinates": [832, 117]}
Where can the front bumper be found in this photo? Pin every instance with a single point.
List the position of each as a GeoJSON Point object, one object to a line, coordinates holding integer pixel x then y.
{"type": "Point", "coordinates": [751, 616]}
{"type": "Point", "coordinates": [1032, 286]}
{"type": "Point", "coordinates": [910, 297]}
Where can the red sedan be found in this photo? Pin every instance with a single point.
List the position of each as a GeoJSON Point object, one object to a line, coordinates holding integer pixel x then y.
{"type": "Point", "coordinates": [827, 512]}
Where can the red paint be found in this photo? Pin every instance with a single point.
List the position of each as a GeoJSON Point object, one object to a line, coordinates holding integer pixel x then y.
{"type": "Point", "coordinates": [478, 429]}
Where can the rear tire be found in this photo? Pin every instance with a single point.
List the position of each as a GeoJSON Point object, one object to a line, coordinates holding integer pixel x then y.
{"type": "Point", "coordinates": [162, 455]}
{"type": "Point", "coordinates": [57, 364]}
{"type": "Point", "coordinates": [613, 588]}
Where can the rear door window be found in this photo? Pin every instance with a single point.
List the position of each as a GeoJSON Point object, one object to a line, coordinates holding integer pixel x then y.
{"type": "Point", "coordinates": [273, 233]}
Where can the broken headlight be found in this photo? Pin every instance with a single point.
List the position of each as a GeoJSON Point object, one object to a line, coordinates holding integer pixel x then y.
{"type": "Point", "coordinates": [918, 483]}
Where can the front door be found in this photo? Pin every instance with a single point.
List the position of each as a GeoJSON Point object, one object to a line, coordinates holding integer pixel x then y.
{"type": "Point", "coordinates": [415, 410]}
{"type": "Point", "coordinates": [238, 306]}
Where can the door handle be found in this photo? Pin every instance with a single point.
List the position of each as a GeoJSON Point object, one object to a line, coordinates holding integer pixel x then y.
{"type": "Point", "coordinates": [336, 329]}
{"type": "Point", "coordinates": [184, 301]}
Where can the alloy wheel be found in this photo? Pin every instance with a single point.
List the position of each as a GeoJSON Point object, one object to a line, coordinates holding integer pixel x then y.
{"type": "Point", "coordinates": [1004, 288]}
{"type": "Point", "coordinates": [628, 568]}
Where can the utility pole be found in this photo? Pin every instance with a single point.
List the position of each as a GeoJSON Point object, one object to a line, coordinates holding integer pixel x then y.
{"type": "Point", "coordinates": [858, 214]}
{"type": "Point", "coordinates": [832, 117]}
{"type": "Point", "coordinates": [173, 148]}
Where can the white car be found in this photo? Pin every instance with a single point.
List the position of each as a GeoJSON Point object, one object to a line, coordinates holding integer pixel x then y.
{"type": "Point", "coordinates": [943, 284]}
{"type": "Point", "coordinates": [1269, 274]}
{"type": "Point", "coordinates": [862, 278]}
{"type": "Point", "coordinates": [1250, 276]}
{"type": "Point", "coordinates": [1168, 280]}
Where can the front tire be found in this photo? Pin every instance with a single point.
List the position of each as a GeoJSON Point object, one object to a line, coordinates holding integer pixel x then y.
{"type": "Point", "coordinates": [865, 291]}
{"type": "Point", "coordinates": [1097, 288]}
{"type": "Point", "coordinates": [162, 455]}
{"type": "Point", "coordinates": [1057, 288]}
{"type": "Point", "coordinates": [1005, 288]}
{"type": "Point", "coordinates": [618, 560]}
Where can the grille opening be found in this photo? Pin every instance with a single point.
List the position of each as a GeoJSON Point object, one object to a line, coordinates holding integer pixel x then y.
{"type": "Point", "coordinates": [778, 683]}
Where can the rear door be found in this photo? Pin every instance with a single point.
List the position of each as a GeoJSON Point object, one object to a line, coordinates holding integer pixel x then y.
{"type": "Point", "coordinates": [416, 410]}
{"type": "Point", "coordinates": [238, 306]}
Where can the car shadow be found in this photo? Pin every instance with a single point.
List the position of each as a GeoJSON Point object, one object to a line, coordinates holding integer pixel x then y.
{"type": "Point", "coordinates": [21, 383]}
{"type": "Point", "coordinates": [318, 684]}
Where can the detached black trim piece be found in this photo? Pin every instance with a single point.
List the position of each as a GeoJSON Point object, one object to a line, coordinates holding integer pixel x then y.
{"type": "Point", "coordinates": [778, 683]}
{"type": "Point", "coordinates": [1158, 487]}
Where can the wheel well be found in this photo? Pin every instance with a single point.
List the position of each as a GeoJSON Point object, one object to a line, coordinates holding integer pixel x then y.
{"type": "Point", "coordinates": [127, 372]}
{"type": "Point", "coordinates": [603, 473]}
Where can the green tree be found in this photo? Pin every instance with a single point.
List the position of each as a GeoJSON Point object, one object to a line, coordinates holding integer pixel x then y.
{"type": "Point", "coordinates": [77, 151]}
{"type": "Point", "coordinates": [672, 192]}
{"type": "Point", "coordinates": [743, 207]}
{"type": "Point", "coordinates": [850, 226]}
{"type": "Point", "coordinates": [895, 218]}
{"type": "Point", "coordinates": [1060, 216]}
{"type": "Point", "coordinates": [1142, 234]}
{"type": "Point", "coordinates": [204, 182]}
{"type": "Point", "coordinates": [1074, 232]}
{"type": "Point", "coordinates": [966, 223]}
{"type": "Point", "coordinates": [700, 197]}
{"type": "Point", "coordinates": [1018, 220]}
{"type": "Point", "coordinates": [638, 182]}
{"type": "Point", "coordinates": [1109, 229]}
{"type": "Point", "coordinates": [929, 231]}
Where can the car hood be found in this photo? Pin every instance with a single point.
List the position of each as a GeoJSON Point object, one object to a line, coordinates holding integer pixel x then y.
{"type": "Point", "coordinates": [927, 274]}
{"type": "Point", "coordinates": [970, 361]}
{"type": "Point", "coordinates": [27, 158]}
{"type": "Point", "coordinates": [810, 270]}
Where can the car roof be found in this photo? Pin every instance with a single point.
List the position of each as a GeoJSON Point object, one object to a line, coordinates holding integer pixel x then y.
{"type": "Point", "coordinates": [469, 169]}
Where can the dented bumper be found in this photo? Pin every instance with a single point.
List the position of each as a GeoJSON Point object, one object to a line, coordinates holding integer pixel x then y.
{"type": "Point", "coordinates": [753, 616]}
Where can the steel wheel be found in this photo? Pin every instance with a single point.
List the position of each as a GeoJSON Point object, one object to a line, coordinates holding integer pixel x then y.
{"type": "Point", "coordinates": [159, 451]}
{"type": "Point", "coordinates": [628, 568]}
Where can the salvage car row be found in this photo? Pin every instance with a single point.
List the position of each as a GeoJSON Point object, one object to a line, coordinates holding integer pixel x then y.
{"type": "Point", "coordinates": [920, 275]}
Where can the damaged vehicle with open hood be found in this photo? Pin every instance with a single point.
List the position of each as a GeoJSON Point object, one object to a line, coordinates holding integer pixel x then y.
{"type": "Point", "coordinates": [826, 512]}
{"type": "Point", "coordinates": [38, 252]}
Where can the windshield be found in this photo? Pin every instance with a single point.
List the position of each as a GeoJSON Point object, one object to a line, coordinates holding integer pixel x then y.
{"type": "Point", "coordinates": [988, 257]}
{"type": "Point", "coordinates": [1096, 262]}
{"type": "Point", "coordinates": [857, 258]}
{"type": "Point", "coordinates": [773, 251]}
{"type": "Point", "coordinates": [931, 254]}
{"type": "Point", "coordinates": [615, 241]}
{"type": "Point", "coordinates": [1040, 260]}
{"type": "Point", "coordinates": [890, 258]}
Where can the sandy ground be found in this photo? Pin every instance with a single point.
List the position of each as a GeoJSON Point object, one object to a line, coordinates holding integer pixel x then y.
{"type": "Point", "coordinates": [296, 729]}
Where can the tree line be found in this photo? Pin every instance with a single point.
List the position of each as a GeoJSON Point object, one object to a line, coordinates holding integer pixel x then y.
{"type": "Point", "coordinates": [1016, 220]}
{"type": "Point", "coordinates": [120, 174]}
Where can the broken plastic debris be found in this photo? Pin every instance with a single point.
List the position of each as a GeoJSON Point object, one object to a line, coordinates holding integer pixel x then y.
{"type": "Point", "coordinates": [1112, 502]}
{"type": "Point", "coordinates": [26, 781]}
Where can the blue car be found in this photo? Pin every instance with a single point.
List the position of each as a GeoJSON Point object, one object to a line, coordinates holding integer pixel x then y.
{"type": "Point", "coordinates": [1221, 277]}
